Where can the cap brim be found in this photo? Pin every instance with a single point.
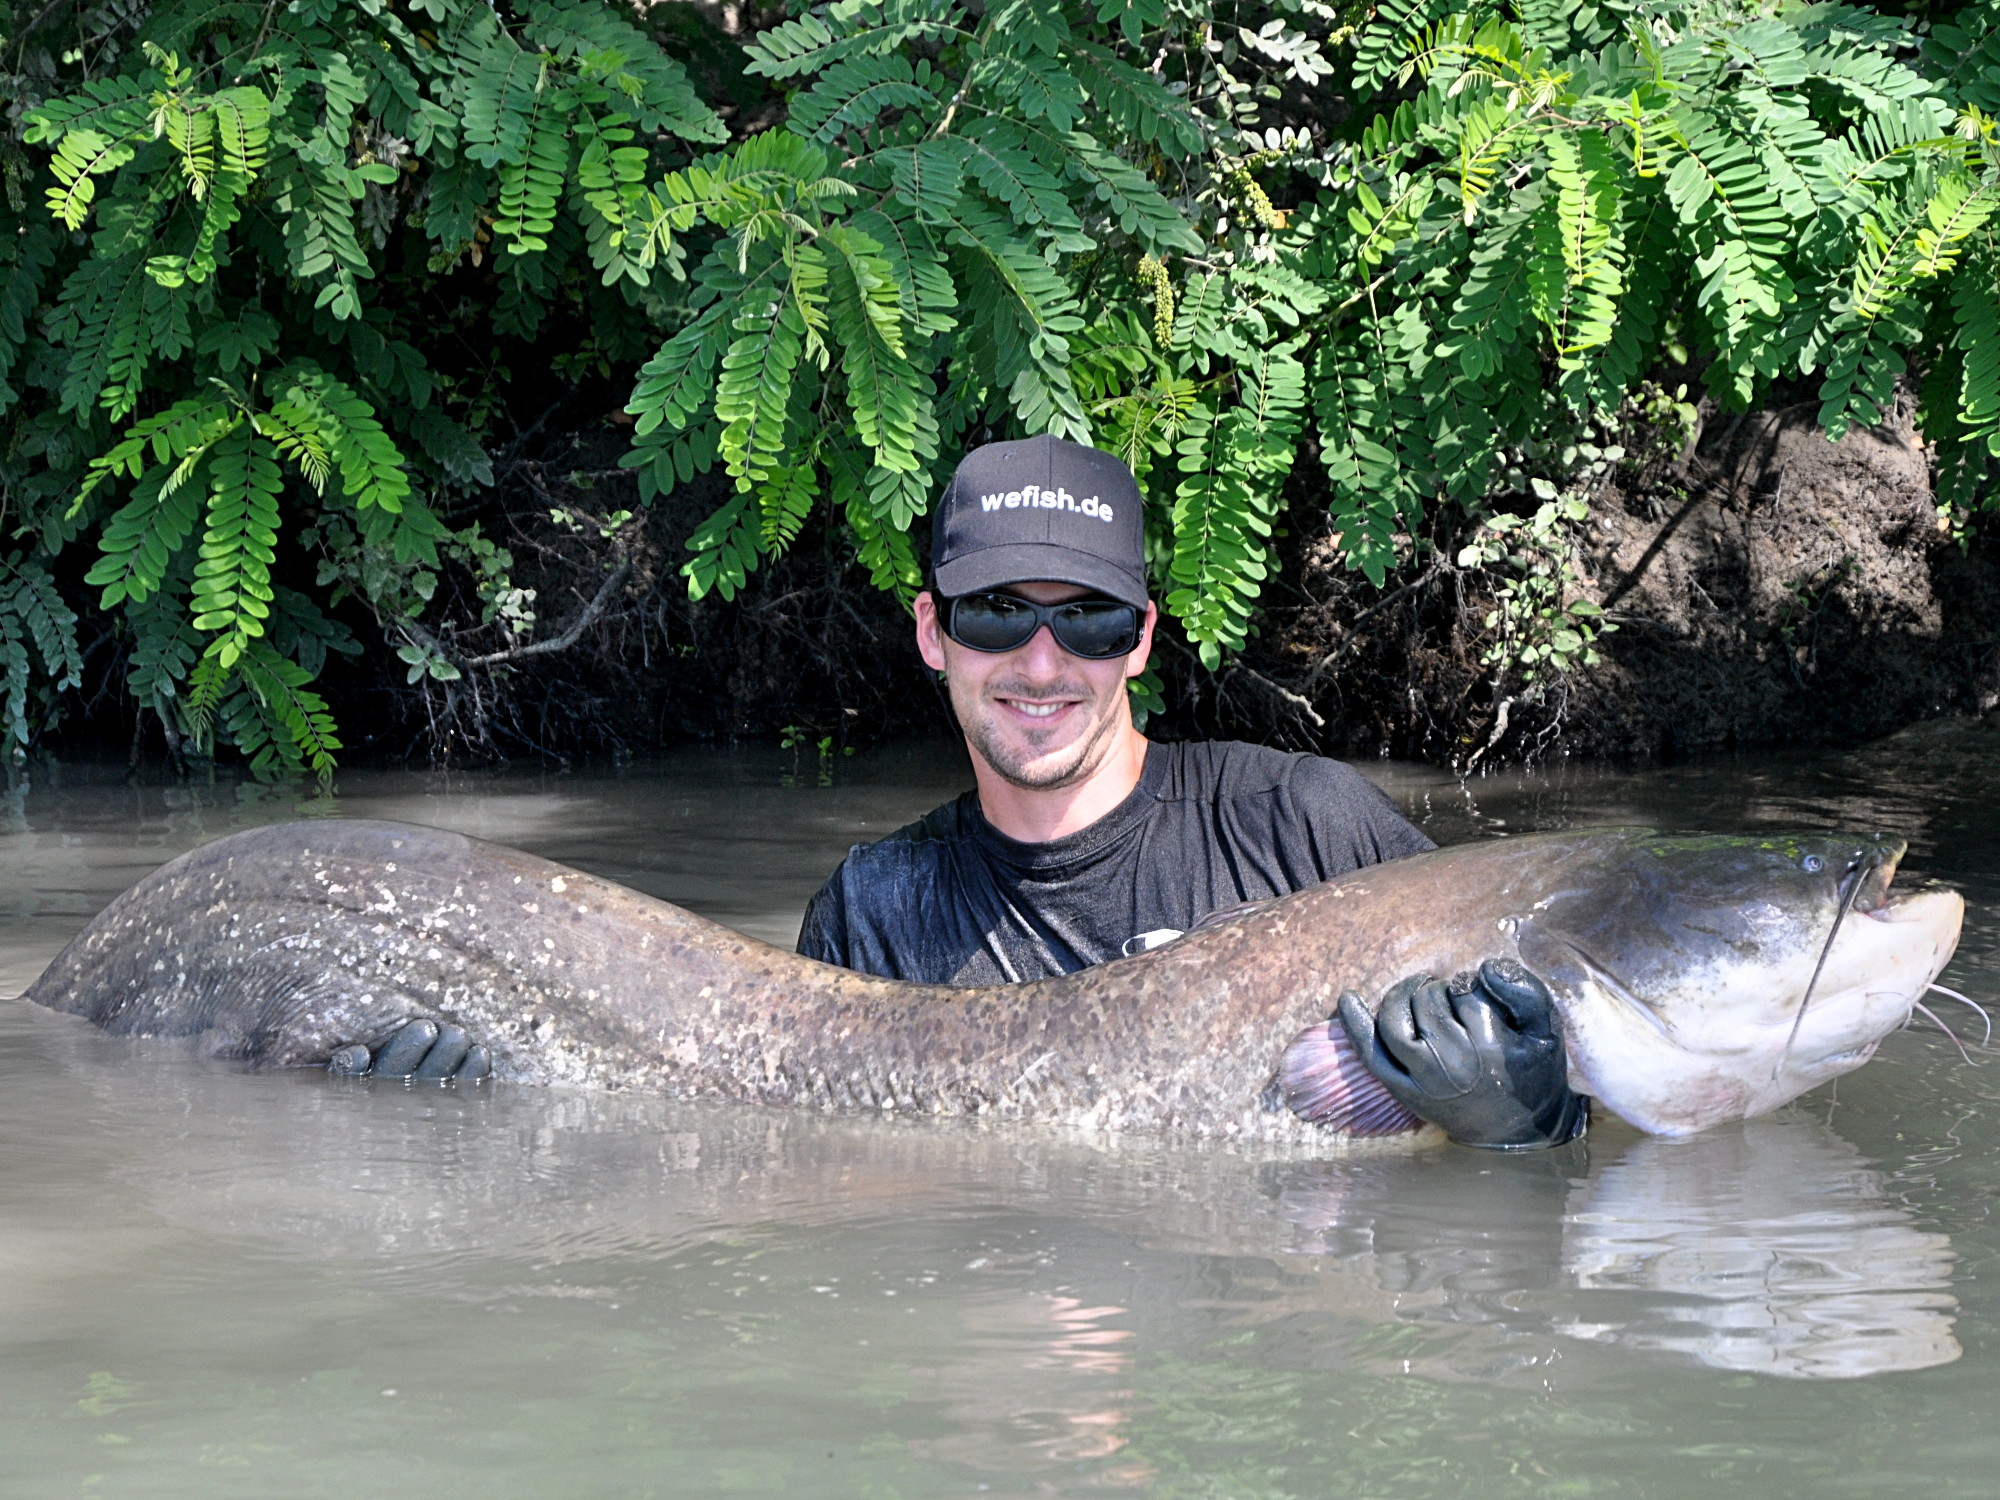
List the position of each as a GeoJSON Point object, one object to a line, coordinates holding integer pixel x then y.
{"type": "Point", "coordinates": [1037, 562]}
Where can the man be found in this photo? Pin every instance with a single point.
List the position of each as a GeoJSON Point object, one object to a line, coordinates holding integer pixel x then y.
{"type": "Point", "coordinates": [1082, 840]}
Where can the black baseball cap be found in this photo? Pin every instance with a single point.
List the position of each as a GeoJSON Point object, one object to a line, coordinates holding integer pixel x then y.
{"type": "Point", "coordinates": [1040, 509]}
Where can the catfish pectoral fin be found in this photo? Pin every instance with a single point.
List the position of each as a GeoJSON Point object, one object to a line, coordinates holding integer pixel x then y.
{"type": "Point", "coordinates": [1322, 1080]}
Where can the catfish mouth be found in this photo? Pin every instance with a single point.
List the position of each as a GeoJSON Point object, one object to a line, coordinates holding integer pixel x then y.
{"type": "Point", "coordinates": [1872, 879]}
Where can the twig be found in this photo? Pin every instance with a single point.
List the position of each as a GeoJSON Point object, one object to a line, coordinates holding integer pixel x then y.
{"type": "Point", "coordinates": [509, 455]}
{"type": "Point", "coordinates": [964, 84]}
{"type": "Point", "coordinates": [1499, 733]}
{"type": "Point", "coordinates": [585, 618]}
{"type": "Point", "coordinates": [1304, 705]}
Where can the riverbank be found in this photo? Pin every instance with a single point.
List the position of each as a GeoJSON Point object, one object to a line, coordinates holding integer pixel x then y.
{"type": "Point", "coordinates": [1766, 588]}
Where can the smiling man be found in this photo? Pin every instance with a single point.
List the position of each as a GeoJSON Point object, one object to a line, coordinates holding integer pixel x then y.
{"type": "Point", "coordinates": [1082, 841]}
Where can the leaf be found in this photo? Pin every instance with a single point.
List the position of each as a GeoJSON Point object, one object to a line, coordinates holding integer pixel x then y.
{"type": "Point", "coordinates": [369, 464]}
{"type": "Point", "coordinates": [1136, 102]}
{"type": "Point", "coordinates": [891, 412]}
{"type": "Point", "coordinates": [851, 28]}
{"type": "Point", "coordinates": [753, 394]}
{"type": "Point", "coordinates": [452, 448]}
{"type": "Point", "coordinates": [232, 579]}
{"type": "Point", "coordinates": [725, 548]}
{"type": "Point", "coordinates": [852, 95]}
{"type": "Point", "coordinates": [83, 155]}
{"type": "Point", "coordinates": [1232, 464]}
{"type": "Point", "coordinates": [649, 82]}
{"type": "Point", "coordinates": [995, 155]}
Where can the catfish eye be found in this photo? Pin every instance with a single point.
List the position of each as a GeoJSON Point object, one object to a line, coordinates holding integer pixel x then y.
{"type": "Point", "coordinates": [1813, 864]}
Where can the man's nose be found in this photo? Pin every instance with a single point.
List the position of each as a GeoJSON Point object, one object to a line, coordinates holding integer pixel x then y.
{"type": "Point", "coordinates": [1043, 653]}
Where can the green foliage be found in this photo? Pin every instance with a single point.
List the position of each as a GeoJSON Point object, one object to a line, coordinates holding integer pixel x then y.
{"type": "Point", "coordinates": [1787, 202]}
{"type": "Point", "coordinates": [38, 652]}
{"type": "Point", "coordinates": [1537, 628]}
{"type": "Point", "coordinates": [1499, 221]}
{"type": "Point", "coordinates": [229, 370]}
{"type": "Point", "coordinates": [899, 266]}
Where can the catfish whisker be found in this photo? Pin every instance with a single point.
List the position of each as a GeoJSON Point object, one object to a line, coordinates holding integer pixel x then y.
{"type": "Point", "coordinates": [1857, 873]}
{"type": "Point", "coordinates": [1919, 1005]}
{"type": "Point", "coordinates": [1968, 1000]}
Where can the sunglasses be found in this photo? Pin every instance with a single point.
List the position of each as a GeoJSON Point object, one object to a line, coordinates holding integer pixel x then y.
{"type": "Point", "coordinates": [1091, 628]}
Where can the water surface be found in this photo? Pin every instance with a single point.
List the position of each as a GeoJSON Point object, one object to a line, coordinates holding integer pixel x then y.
{"type": "Point", "coordinates": [222, 1283]}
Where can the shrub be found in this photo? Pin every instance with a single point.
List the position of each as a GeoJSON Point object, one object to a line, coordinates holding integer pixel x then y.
{"type": "Point", "coordinates": [232, 231]}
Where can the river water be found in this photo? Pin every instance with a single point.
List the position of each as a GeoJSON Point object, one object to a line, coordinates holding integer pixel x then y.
{"type": "Point", "coordinates": [219, 1283]}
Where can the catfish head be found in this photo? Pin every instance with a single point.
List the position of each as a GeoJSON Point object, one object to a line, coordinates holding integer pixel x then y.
{"type": "Point", "coordinates": [1705, 978]}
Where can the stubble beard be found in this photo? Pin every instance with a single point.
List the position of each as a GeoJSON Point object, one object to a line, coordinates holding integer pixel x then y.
{"type": "Point", "coordinates": [1024, 763]}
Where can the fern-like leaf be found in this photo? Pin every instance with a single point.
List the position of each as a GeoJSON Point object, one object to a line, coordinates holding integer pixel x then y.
{"type": "Point", "coordinates": [232, 579]}
{"type": "Point", "coordinates": [852, 28]}
{"type": "Point", "coordinates": [1975, 301]}
{"type": "Point", "coordinates": [655, 85]}
{"type": "Point", "coordinates": [1589, 218]}
{"type": "Point", "coordinates": [852, 95]}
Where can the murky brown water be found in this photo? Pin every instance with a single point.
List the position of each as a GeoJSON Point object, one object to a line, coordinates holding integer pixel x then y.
{"type": "Point", "coordinates": [218, 1283]}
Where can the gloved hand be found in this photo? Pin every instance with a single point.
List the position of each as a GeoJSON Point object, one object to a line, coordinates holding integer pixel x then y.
{"type": "Point", "coordinates": [1479, 1057]}
{"type": "Point", "coordinates": [416, 1049]}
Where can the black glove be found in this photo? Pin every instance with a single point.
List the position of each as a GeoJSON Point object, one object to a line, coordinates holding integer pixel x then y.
{"type": "Point", "coordinates": [1479, 1057]}
{"type": "Point", "coordinates": [416, 1049]}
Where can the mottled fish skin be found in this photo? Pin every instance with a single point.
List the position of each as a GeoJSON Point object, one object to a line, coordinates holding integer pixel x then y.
{"type": "Point", "coordinates": [276, 945]}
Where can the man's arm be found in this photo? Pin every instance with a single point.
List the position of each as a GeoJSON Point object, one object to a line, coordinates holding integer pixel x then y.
{"type": "Point", "coordinates": [823, 931]}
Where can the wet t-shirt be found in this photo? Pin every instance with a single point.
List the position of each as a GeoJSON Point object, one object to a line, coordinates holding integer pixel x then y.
{"type": "Point", "coordinates": [952, 900]}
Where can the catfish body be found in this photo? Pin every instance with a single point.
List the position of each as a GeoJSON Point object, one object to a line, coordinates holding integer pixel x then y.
{"type": "Point", "coordinates": [279, 944]}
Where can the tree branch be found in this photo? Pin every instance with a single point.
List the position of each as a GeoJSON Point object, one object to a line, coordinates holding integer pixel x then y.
{"type": "Point", "coordinates": [585, 618]}
{"type": "Point", "coordinates": [1303, 705]}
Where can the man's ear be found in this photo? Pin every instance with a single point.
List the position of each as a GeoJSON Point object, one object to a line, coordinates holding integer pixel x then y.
{"type": "Point", "coordinates": [930, 636]}
{"type": "Point", "coordinates": [1142, 653]}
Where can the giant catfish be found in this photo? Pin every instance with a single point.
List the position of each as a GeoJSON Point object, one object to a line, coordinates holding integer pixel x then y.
{"type": "Point", "coordinates": [1699, 979]}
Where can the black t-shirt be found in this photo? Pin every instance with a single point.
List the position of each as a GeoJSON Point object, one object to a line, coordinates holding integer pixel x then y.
{"type": "Point", "coordinates": [952, 900]}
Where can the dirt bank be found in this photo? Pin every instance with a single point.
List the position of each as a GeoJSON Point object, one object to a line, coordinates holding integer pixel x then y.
{"type": "Point", "coordinates": [1768, 587]}
{"type": "Point", "coordinates": [1802, 590]}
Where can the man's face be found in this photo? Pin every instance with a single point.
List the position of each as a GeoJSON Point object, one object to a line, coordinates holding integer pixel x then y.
{"type": "Point", "coordinates": [1040, 717]}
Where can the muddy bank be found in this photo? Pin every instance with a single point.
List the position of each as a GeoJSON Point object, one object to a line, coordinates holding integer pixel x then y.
{"type": "Point", "coordinates": [1768, 587]}
{"type": "Point", "coordinates": [1802, 590]}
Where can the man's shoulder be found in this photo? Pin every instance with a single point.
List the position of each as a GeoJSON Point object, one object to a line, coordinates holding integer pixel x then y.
{"type": "Point", "coordinates": [902, 907]}
{"type": "Point", "coordinates": [1216, 770]}
{"type": "Point", "coordinates": [1280, 797]}
{"type": "Point", "coordinates": [922, 843]}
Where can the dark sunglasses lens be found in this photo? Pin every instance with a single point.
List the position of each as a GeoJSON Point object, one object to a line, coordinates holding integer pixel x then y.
{"type": "Point", "coordinates": [991, 622]}
{"type": "Point", "coordinates": [1096, 628]}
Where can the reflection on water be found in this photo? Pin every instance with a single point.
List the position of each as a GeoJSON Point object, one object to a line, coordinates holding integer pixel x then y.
{"type": "Point", "coordinates": [225, 1284]}
{"type": "Point", "coordinates": [1012, 1393]}
{"type": "Point", "coordinates": [1767, 1248]}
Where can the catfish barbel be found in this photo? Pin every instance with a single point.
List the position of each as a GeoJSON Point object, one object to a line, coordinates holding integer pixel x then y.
{"type": "Point", "coordinates": [1699, 978]}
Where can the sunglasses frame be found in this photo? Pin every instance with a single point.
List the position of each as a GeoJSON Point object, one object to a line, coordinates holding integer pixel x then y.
{"type": "Point", "coordinates": [1045, 614]}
